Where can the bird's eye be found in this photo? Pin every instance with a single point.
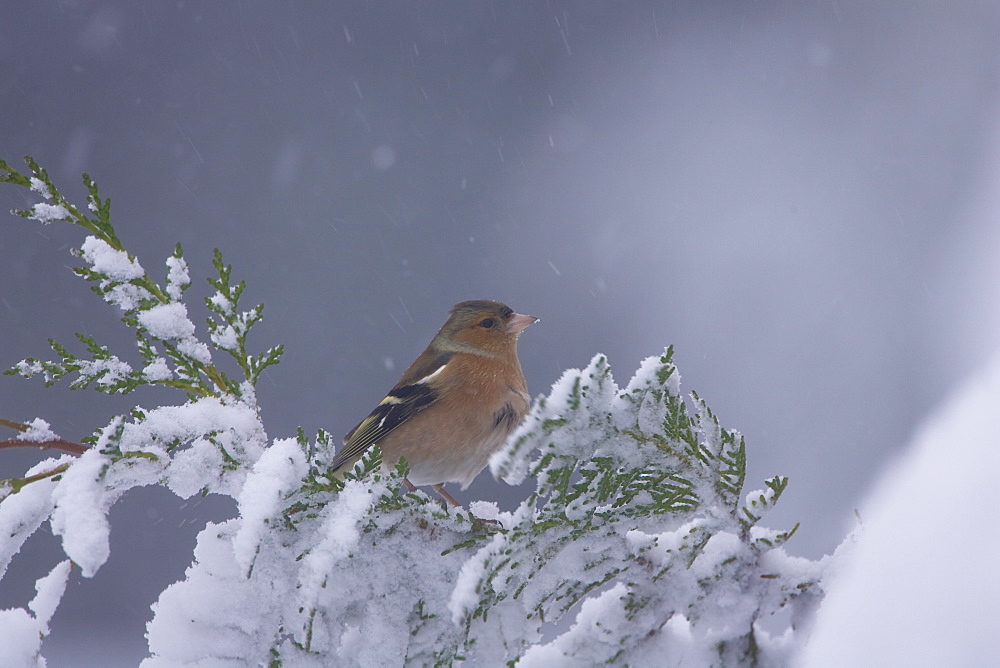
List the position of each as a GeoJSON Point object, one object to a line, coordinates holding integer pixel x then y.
{"type": "Point", "coordinates": [487, 323]}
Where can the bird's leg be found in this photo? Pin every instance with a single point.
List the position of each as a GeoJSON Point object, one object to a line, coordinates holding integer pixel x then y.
{"type": "Point", "coordinates": [439, 488]}
{"type": "Point", "coordinates": [441, 491]}
{"type": "Point", "coordinates": [450, 500]}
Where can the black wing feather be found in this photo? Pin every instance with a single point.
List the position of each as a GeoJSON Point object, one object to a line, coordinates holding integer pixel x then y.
{"type": "Point", "coordinates": [400, 405]}
{"type": "Point", "coordinates": [506, 416]}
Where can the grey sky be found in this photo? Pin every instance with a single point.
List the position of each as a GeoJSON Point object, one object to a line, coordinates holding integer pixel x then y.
{"type": "Point", "coordinates": [795, 195]}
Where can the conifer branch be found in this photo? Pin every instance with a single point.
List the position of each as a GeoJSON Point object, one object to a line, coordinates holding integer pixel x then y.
{"type": "Point", "coordinates": [17, 484]}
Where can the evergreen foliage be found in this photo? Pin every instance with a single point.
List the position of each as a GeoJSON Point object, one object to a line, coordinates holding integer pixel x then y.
{"type": "Point", "coordinates": [636, 526]}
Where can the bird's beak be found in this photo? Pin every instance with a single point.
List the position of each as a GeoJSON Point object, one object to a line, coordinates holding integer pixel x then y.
{"type": "Point", "coordinates": [518, 322]}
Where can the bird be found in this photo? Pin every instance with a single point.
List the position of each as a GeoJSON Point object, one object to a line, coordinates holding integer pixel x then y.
{"type": "Point", "coordinates": [454, 406]}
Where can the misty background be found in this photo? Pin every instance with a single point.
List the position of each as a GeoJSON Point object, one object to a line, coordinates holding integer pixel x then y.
{"type": "Point", "coordinates": [800, 197]}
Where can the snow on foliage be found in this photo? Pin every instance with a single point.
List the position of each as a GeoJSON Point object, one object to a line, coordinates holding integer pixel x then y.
{"type": "Point", "coordinates": [38, 431]}
{"type": "Point", "coordinates": [23, 631]}
{"type": "Point", "coordinates": [48, 213]}
{"type": "Point", "coordinates": [636, 533]}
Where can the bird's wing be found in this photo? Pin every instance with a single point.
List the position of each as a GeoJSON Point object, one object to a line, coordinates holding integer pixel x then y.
{"type": "Point", "coordinates": [402, 403]}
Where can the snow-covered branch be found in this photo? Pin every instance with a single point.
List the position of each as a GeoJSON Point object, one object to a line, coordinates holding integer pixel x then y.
{"type": "Point", "coordinates": [635, 545]}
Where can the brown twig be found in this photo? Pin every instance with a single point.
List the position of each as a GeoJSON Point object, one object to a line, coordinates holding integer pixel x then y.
{"type": "Point", "coordinates": [58, 444]}
{"type": "Point", "coordinates": [16, 484]}
{"type": "Point", "coordinates": [13, 425]}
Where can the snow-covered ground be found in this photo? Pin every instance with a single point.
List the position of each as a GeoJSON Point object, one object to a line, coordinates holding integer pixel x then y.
{"type": "Point", "coordinates": [922, 585]}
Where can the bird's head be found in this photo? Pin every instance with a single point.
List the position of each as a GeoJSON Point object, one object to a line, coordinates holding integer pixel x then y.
{"type": "Point", "coordinates": [488, 326]}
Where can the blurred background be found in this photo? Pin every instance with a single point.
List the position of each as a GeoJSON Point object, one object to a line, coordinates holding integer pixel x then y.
{"type": "Point", "coordinates": [800, 197]}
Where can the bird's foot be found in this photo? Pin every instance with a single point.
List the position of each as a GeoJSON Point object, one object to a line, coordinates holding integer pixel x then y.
{"type": "Point", "coordinates": [449, 499]}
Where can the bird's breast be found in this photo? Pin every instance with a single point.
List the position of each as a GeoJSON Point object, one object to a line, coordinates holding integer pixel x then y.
{"type": "Point", "coordinates": [453, 440]}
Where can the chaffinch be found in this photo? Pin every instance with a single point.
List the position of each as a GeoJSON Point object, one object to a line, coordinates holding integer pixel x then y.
{"type": "Point", "coordinates": [455, 405]}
